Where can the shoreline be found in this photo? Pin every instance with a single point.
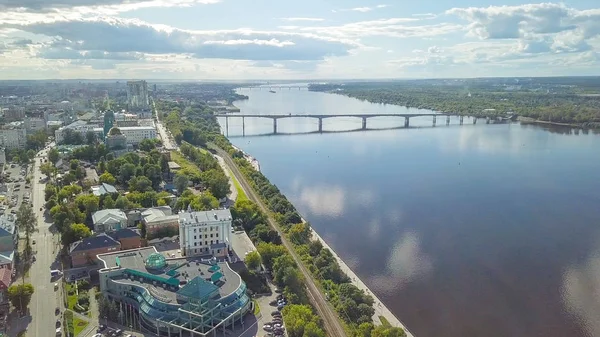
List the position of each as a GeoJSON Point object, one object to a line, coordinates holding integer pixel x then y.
{"type": "Point", "coordinates": [253, 161]}
{"type": "Point", "coordinates": [378, 305]}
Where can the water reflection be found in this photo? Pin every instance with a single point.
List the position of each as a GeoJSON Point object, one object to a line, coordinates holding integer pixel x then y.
{"type": "Point", "coordinates": [406, 262]}
{"type": "Point", "coordinates": [581, 293]}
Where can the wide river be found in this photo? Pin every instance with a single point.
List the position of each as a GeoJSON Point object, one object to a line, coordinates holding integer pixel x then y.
{"type": "Point", "coordinates": [473, 230]}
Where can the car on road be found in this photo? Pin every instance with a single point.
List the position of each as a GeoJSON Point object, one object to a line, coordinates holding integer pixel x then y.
{"type": "Point", "coordinates": [33, 242]}
{"type": "Point", "coordinates": [57, 311]}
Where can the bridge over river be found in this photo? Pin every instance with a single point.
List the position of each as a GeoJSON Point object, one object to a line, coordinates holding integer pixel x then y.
{"type": "Point", "coordinates": [321, 117]}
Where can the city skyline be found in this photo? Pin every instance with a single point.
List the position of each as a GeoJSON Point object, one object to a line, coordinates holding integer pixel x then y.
{"type": "Point", "coordinates": [237, 40]}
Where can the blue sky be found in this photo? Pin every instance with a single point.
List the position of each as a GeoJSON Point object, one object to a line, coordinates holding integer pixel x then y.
{"type": "Point", "coordinates": [309, 39]}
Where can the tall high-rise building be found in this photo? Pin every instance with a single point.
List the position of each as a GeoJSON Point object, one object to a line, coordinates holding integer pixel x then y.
{"type": "Point", "coordinates": [137, 95]}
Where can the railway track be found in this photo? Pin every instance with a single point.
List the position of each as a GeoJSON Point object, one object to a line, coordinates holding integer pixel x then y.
{"type": "Point", "coordinates": [330, 319]}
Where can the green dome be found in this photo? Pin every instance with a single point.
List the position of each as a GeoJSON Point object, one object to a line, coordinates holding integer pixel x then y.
{"type": "Point", "coordinates": [156, 261]}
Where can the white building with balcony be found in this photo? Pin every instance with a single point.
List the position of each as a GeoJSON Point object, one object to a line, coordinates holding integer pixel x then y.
{"type": "Point", "coordinates": [205, 233]}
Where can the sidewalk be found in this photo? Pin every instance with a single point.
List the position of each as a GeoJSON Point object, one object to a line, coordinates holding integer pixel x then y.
{"type": "Point", "coordinates": [380, 308]}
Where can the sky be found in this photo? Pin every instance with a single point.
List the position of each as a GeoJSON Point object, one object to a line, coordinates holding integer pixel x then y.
{"type": "Point", "coordinates": [307, 39]}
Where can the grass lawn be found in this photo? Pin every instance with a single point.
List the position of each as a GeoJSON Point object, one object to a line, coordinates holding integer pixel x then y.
{"type": "Point", "coordinates": [256, 308]}
{"type": "Point", "coordinates": [71, 299]}
{"type": "Point", "coordinates": [78, 325]}
{"type": "Point", "coordinates": [384, 321]}
{"type": "Point", "coordinates": [240, 192]}
{"type": "Point", "coordinates": [187, 167]}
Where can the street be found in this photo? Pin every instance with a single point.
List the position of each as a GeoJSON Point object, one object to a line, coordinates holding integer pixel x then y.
{"type": "Point", "coordinates": [168, 142]}
{"type": "Point", "coordinates": [45, 299]}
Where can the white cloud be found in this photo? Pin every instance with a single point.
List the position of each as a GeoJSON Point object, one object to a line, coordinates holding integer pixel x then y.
{"type": "Point", "coordinates": [93, 6]}
{"type": "Point", "coordinates": [393, 27]}
{"type": "Point", "coordinates": [303, 19]}
{"type": "Point", "coordinates": [116, 35]}
{"type": "Point", "coordinates": [363, 9]}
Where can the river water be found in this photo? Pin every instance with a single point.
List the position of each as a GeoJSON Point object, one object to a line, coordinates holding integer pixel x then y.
{"type": "Point", "coordinates": [473, 230]}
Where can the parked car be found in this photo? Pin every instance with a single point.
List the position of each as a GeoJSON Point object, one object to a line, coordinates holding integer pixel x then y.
{"type": "Point", "coordinates": [267, 327]}
{"type": "Point", "coordinates": [275, 313]}
{"type": "Point", "coordinates": [273, 303]}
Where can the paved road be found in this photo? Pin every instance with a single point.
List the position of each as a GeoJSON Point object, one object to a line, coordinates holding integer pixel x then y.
{"type": "Point", "coordinates": [168, 143]}
{"type": "Point", "coordinates": [330, 319]}
{"type": "Point", "coordinates": [44, 300]}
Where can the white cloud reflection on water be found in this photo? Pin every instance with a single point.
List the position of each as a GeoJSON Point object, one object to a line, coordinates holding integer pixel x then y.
{"type": "Point", "coordinates": [406, 263]}
{"type": "Point", "coordinates": [581, 293]}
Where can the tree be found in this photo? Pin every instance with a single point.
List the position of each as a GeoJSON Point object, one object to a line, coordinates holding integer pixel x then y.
{"type": "Point", "coordinates": [108, 203]}
{"type": "Point", "coordinates": [153, 173]}
{"type": "Point", "coordinates": [147, 145]}
{"type": "Point", "coordinates": [314, 247]}
{"type": "Point", "coordinates": [245, 213]}
{"type": "Point", "coordinates": [53, 156]}
{"type": "Point", "coordinates": [140, 184]}
{"type": "Point", "coordinates": [75, 232]}
{"type": "Point", "coordinates": [364, 329]}
{"type": "Point", "coordinates": [269, 251]}
{"type": "Point", "coordinates": [300, 233]}
{"type": "Point", "coordinates": [88, 203]}
{"type": "Point", "coordinates": [107, 178]}
{"type": "Point", "coordinates": [26, 222]}
{"type": "Point", "coordinates": [164, 164]}
{"type": "Point", "coordinates": [181, 182]}
{"type": "Point", "coordinates": [90, 138]}
{"type": "Point", "coordinates": [107, 309]}
{"type": "Point", "coordinates": [19, 295]}
{"type": "Point", "coordinates": [48, 169]}
{"type": "Point", "coordinates": [217, 183]}
{"type": "Point", "coordinates": [252, 260]}
{"type": "Point", "coordinates": [387, 331]}
{"type": "Point", "coordinates": [126, 172]}
{"type": "Point", "coordinates": [37, 140]}
{"type": "Point", "coordinates": [204, 202]}
{"type": "Point", "coordinates": [300, 321]}
{"type": "Point", "coordinates": [143, 229]}
{"type": "Point", "coordinates": [30, 154]}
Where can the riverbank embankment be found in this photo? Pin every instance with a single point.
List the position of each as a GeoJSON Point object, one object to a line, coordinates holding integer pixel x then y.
{"type": "Point", "coordinates": [253, 161]}
{"type": "Point", "coordinates": [380, 308]}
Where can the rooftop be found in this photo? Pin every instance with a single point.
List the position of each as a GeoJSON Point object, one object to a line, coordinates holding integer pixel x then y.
{"type": "Point", "coordinates": [93, 242]}
{"type": "Point", "coordinates": [205, 216]}
{"type": "Point", "coordinates": [7, 225]}
{"type": "Point", "coordinates": [134, 128]}
{"type": "Point", "coordinates": [156, 213]}
{"type": "Point", "coordinates": [124, 234]}
{"type": "Point", "coordinates": [190, 277]}
{"type": "Point", "coordinates": [173, 165]}
{"type": "Point", "coordinates": [103, 189]}
{"type": "Point", "coordinates": [108, 216]}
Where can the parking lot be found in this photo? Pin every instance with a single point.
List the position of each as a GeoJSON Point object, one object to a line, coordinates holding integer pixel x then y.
{"type": "Point", "coordinates": [14, 190]}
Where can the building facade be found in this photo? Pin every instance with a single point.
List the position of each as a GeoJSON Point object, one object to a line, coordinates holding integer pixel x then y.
{"type": "Point", "coordinates": [86, 251]}
{"type": "Point", "coordinates": [13, 138]}
{"type": "Point", "coordinates": [108, 220]}
{"type": "Point", "coordinates": [137, 95]}
{"type": "Point", "coordinates": [205, 233]}
{"type": "Point", "coordinates": [135, 134]}
{"type": "Point", "coordinates": [33, 124]}
{"type": "Point", "coordinates": [159, 217]}
{"type": "Point", "coordinates": [80, 127]}
{"type": "Point", "coordinates": [174, 297]}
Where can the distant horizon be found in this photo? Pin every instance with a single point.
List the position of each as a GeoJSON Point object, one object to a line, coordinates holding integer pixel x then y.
{"type": "Point", "coordinates": [237, 40]}
{"type": "Point", "coordinates": [289, 81]}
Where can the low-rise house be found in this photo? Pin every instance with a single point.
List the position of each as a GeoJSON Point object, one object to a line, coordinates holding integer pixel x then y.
{"type": "Point", "coordinates": [7, 259]}
{"type": "Point", "coordinates": [5, 281]}
{"type": "Point", "coordinates": [128, 237]}
{"type": "Point", "coordinates": [108, 220]}
{"type": "Point", "coordinates": [8, 233]}
{"type": "Point", "coordinates": [159, 217]}
{"type": "Point", "coordinates": [84, 252]}
{"type": "Point", "coordinates": [103, 189]}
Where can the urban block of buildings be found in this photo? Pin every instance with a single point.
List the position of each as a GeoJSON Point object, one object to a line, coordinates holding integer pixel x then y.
{"type": "Point", "coordinates": [175, 297]}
